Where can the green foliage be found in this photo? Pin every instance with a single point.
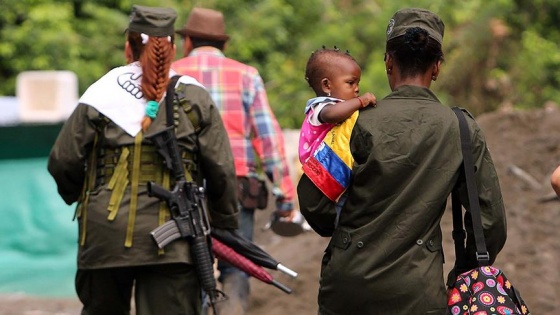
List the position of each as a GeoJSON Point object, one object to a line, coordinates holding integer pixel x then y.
{"type": "Point", "coordinates": [497, 53]}
{"type": "Point", "coordinates": [101, 43]}
{"type": "Point", "coordinates": [81, 36]}
{"type": "Point", "coordinates": [537, 70]}
{"type": "Point", "coordinates": [535, 63]}
{"type": "Point", "coordinates": [23, 34]}
{"type": "Point", "coordinates": [47, 36]}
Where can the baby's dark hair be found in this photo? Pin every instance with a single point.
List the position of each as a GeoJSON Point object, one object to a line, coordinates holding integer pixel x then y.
{"type": "Point", "coordinates": [318, 65]}
{"type": "Point", "coordinates": [415, 51]}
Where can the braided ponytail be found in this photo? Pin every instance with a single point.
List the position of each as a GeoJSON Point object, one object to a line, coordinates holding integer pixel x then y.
{"type": "Point", "coordinates": [156, 59]}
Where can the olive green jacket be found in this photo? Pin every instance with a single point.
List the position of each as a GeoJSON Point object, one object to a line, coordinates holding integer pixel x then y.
{"type": "Point", "coordinates": [121, 237]}
{"type": "Point", "coordinates": [386, 257]}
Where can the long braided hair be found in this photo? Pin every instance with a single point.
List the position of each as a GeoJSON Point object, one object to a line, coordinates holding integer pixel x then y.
{"type": "Point", "coordinates": [155, 59]}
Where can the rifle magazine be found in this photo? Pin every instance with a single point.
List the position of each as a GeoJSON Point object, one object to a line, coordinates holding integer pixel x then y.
{"type": "Point", "coordinates": [166, 233]}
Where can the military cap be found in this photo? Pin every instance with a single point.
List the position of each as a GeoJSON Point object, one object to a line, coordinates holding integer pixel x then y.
{"type": "Point", "coordinates": [152, 21]}
{"type": "Point", "coordinates": [414, 17]}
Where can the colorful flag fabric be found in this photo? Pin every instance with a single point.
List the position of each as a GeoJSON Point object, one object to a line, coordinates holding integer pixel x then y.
{"type": "Point", "coordinates": [330, 166]}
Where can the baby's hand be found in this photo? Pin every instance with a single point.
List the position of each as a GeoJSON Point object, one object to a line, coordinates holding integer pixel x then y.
{"type": "Point", "coordinates": [368, 99]}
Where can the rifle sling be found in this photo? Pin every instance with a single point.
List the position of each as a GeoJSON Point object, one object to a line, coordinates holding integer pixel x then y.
{"type": "Point", "coordinates": [172, 98]}
{"type": "Point", "coordinates": [169, 97]}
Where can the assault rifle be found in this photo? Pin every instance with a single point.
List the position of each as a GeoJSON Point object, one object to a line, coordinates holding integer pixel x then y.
{"type": "Point", "coordinates": [189, 219]}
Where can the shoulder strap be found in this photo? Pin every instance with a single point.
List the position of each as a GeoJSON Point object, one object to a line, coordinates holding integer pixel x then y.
{"type": "Point", "coordinates": [173, 94]}
{"type": "Point", "coordinates": [170, 95]}
{"type": "Point", "coordinates": [482, 255]}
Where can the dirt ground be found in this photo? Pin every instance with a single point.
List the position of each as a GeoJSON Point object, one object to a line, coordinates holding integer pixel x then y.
{"type": "Point", "coordinates": [525, 147]}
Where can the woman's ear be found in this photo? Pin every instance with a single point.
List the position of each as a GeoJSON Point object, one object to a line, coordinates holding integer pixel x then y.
{"type": "Point", "coordinates": [326, 86]}
{"type": "Point", "coordinates": [435, 70]}
{"type": "Point", "coordinates": [388, 63]}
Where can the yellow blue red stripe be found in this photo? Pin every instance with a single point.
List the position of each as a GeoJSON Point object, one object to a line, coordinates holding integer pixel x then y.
{"type": "Point", "coordinates": [330, 166]}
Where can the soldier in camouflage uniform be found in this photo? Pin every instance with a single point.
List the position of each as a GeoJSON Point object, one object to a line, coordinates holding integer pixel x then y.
{"type": "Point", "coordinates": [102, 161]}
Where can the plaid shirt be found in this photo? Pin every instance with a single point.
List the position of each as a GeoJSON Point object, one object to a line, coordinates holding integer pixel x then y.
{"type": "Point", "coordinates": [238, 91]}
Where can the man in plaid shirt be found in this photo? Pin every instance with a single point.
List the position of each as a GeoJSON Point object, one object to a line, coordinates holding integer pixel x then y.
{"type": "Point", "coordinates": [254, 133]}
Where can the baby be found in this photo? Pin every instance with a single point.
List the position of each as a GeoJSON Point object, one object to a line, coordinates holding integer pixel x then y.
{"type": "Point", "coordinates": [334, 76]}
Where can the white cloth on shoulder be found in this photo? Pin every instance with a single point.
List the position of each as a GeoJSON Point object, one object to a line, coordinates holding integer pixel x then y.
{"type": "Point", "coordinates": [118, 96]}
